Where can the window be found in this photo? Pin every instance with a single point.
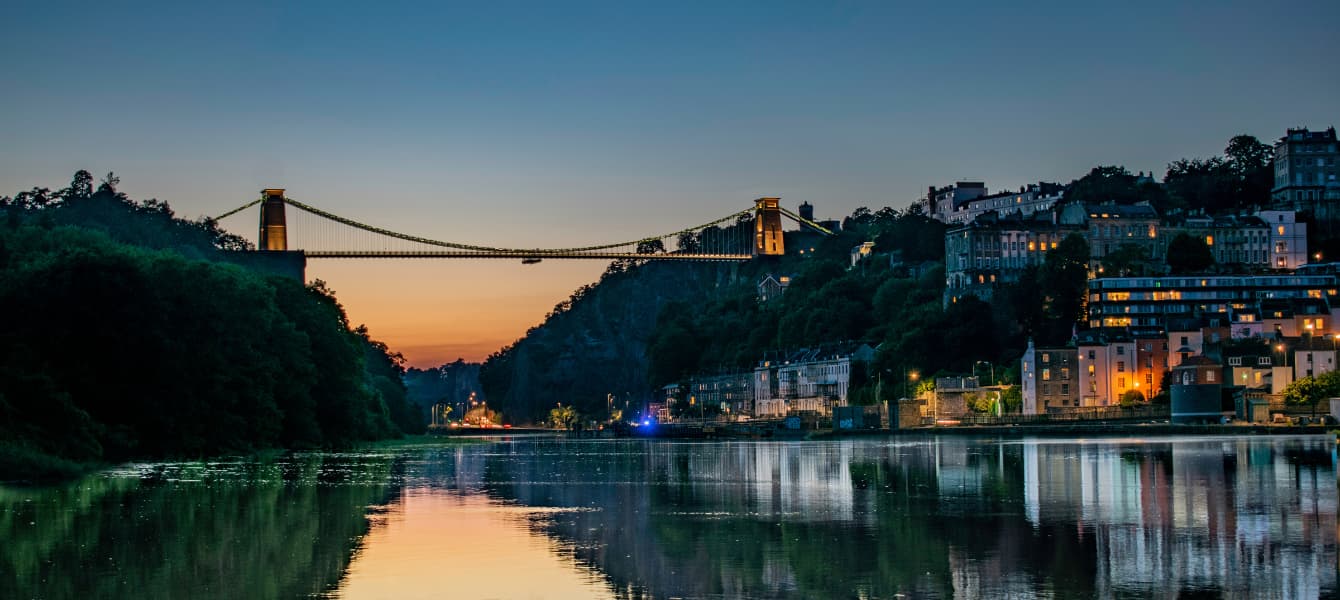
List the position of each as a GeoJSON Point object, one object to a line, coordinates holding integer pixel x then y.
{"type": "Point", "coordinates": [1235, 361]}
{"type": "Point", "coordinates": [1209, 376]}
{"type": "Point", "coordinates": [1090, 369]}
{"type": "Point", "coordinates": [1121, 382]}
{"type": "Point", "coordinates": [1046, 358]}
{"type": "Point", "coordinates": [1046, 374]}
{"type": "Point", "coordinates": [1121, 350]}
{"type": "Point", "coordinates": [1046, 389]}
{"type": "Point", "coordinates": [1091, 358]}
{"type": "Point", "coordinates": [1149, 379]}
{"type": "Point", "coordinates": [1065, 372]}
{"type": "Point", "coordinates": [1263, 360]}
{"type": "Point", "coordinates": [1121, 366]}
{"type": "Point", "coordinates": [1065, 389]}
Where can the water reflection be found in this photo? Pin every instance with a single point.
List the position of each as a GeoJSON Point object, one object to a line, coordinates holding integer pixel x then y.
{"type": "Point", "coordinates": [949, 517]}
{"type": "Point", "coordinates": [241, 529]}
{"type": "Point", "coordinates": [555, 518]}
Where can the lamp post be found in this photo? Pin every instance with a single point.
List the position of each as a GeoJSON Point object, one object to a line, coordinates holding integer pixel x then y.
{"type": "Point", "coordinates": [989, 365]}
{"type": "Point", "coordinates": [908, 377]}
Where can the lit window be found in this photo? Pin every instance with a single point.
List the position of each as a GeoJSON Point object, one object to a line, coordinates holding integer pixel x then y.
{"type": "Point", "coordinates": [1281, 230]}
{"type": "Point", "coordinates": [1209, 240]}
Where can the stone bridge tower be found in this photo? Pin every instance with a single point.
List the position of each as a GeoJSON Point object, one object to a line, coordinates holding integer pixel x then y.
{"type": "Point", "coordinates": [768, 228]}
{"type": "Point", "coordinates": [274, 228]}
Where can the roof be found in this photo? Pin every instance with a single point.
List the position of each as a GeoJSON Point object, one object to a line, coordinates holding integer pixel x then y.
{"type": "Point", "coordinates": [1198, 361]}
{"type": "Point", "coordinates": [1121, 211]}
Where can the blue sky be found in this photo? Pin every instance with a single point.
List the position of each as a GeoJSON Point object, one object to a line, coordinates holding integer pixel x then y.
{"type": "Point", "coordinates": [506, 122]}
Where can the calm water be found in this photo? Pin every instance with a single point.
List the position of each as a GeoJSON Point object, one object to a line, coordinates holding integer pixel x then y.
{"type": "Point", "coordinates": [552, 518]}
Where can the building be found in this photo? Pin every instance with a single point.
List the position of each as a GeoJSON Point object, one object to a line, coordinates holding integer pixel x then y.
{"type": "Point", "coordinates": [1312, 357]}
{"type": "Point", "coordinates": [1196, 391]}
{"type": "Point", "coordinates": [1152, 301]}
{"type": "Point", "coordinates": [1305, 166]}
{"type": "Point", "coordinates": [859, 253]}
{"type": "Point", "coordinates": [732, 393]}
{"type": "Point", "coordinates": [1107, 367]}
{"type": "Point", "coordinates": [949, 204]}
{"type": "Point", "coordinates": [1049, 379]}
{"type": "Point", "coordinates": [772, 287]}
{"type": "Point", "coordinates": [1151, 359]}
{"type": "Point", "coordinates": [808, 380]}
{"type": "Point", "coordinates": [1109, 227]}
{"type": "Point", "coordinates": [994, 250]}
{"type": "Point", "coordinates": [1288, 238]}
{"type": "Point", "coordinates": [1250, 368]}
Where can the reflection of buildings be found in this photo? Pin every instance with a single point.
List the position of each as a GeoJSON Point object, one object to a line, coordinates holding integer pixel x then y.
{"type": "Point", "coordinates": [926, 516]}
{"type": "Point", "coordinates": [1232, 515]}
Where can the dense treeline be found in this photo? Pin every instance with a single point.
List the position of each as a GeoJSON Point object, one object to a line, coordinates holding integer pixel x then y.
{"type": "Point", "coordinates": [644, 326]}
{"type": "Point", "coordinates": [125, 338]}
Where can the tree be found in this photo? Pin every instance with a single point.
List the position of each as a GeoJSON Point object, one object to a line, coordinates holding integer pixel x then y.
{"type": "Point", "coordinates": [1113, 184]}
{"type": "Point", "coordinates": [563, 417]}
{"type": "Point", "coordinates": [1127, 259]}
{"type": "Point", "coordinates": [1310, 391]}
{"type": "Point", "coordinates": [1013, 398]}
{"type": "Point", "coordinates": [1130, 398]}
{"type": "Point", "coordinates": [1188, 254]}
{"type": "Point", "coordinates": [1062, 281]}
{"type": "Point", "coordinates": [1252, 162]}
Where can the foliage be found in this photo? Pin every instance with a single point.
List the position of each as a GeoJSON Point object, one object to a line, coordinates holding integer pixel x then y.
{"type": "Point", "coordinates": [1131, 398]}
{"type": "Point", "coordinates": [563, 417]}
{"type": "Point", "coordinates": [1240, 180]}
{"type": "Point", "coordinates": [1013, 398]}
{"type": "Point", "coordinates": [1114, 184]}
{"type": "Point", "coordinates": [1187, 254]}
{"type": "Point", "coordinates": [1312, 390]}
{"type": "Point", "coordinates": [1127, 260]}
{"type": "Point", "coordinates": [156, 349]}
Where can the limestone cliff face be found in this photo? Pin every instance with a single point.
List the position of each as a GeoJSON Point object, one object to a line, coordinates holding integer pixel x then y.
{"type": "Point", "coordinates": [595, 344]}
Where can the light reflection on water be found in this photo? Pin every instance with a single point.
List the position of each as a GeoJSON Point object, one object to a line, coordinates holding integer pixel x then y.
{"type": "Point", "coordinates": [556, 518]}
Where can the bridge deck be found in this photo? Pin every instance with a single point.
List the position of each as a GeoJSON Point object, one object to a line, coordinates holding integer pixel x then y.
{"type": "Point", "coordinates": [526, 255]}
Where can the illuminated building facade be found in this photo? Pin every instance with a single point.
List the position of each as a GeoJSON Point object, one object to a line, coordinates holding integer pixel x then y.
{"type": "Point", "coordinates": [1049, 378]}
{"type": "Point", "coordinates": [1305, 167]}
{"type": "Point", "coordinates": [1152, 301]}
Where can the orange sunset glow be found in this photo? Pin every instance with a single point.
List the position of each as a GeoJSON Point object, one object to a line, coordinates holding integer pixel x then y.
{"type": "Point", "coordinates": [435, 311]}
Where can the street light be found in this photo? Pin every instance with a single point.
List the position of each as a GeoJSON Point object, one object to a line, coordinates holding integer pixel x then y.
{"type": "Point", "coordinates": [988, 364]}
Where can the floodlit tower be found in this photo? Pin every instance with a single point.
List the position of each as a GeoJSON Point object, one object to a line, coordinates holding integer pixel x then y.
{"type": "Point", "coordinates": [768, 228]}
{"type": "Point", "coordinates": [274, 229]}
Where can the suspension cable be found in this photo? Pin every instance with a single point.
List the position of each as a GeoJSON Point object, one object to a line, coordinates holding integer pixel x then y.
{"type": "Point", "coordinates": [431, 242]}
{"type": "Point", "coordinates": [799, 219]}
{"type": "Point", "coordinates": [239, 209]}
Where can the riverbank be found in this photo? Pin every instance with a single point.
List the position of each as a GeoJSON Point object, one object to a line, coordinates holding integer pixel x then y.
{"type": "Point", "coordinates": [1078, 429]}
{"type": "Point", "coordinates": [20, 465]}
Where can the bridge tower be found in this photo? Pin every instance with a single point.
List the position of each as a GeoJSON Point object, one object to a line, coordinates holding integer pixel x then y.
{"type": "Point", "coordinates": [768, 227]}
{"type": "Point", "coordinates": [274, 228]}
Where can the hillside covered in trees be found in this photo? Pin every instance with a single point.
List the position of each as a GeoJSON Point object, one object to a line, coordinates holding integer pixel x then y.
{"type": "Point", "coordinates": [646, 325]}
{"type": "Point", "coordinates": [127, 336]}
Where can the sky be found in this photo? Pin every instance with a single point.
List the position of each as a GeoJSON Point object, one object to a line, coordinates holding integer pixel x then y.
{"type": "Point", "coordinates": [570, 123]}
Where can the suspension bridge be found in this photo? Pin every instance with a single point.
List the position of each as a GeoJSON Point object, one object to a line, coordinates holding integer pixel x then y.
{"type": "Point", "coordinates": [315, 233]}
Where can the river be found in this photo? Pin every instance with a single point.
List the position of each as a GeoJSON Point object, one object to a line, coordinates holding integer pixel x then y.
{"type": "Point", "coordinates": [556, 518]}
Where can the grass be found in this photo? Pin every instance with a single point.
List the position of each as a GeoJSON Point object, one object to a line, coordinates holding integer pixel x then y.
{"type": "Point", "coordinates": [23, 464]}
